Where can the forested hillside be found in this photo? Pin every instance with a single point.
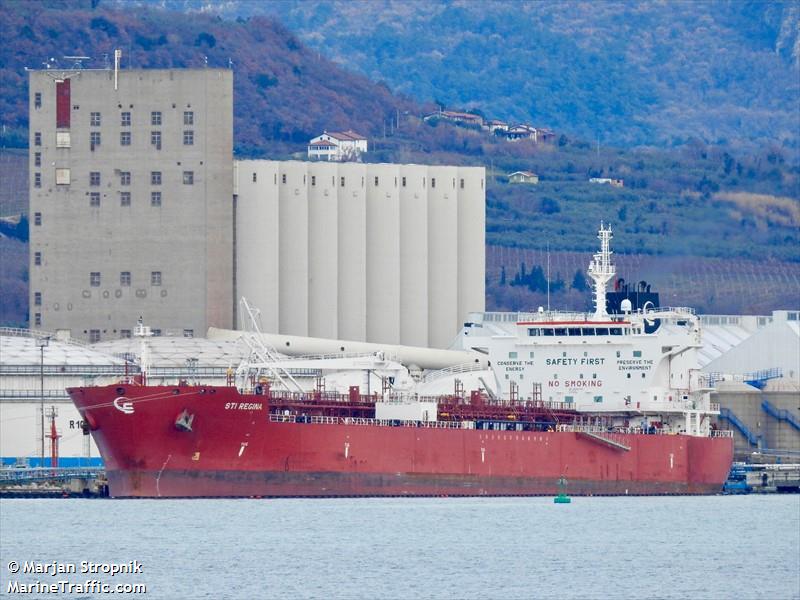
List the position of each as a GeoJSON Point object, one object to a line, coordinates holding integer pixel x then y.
{"type": "Point", "coordinates": [283, 91]}
{"type": "Point", "coordinates": [717, 210]}
{"type": "Point", "coordinates": [628, 72]}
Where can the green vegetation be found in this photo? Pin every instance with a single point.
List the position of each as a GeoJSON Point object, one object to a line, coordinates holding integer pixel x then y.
{"type": "Point", "coordinates": [630, 72]}
{"type": "Point", "coordinates": [712, 88]}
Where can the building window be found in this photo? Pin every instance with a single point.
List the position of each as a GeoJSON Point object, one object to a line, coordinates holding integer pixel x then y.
{"type": "Point", "coordinates": [37, 259]}
{"type": "Point", "coordinates": [433, 182]}
{"type": "Point", "coordinates": [94, 119]}
{"type": "Point", "coordinates": [376, 181]}
{"type": "Point", "coordinates": [37, 138]}
{"type": "Point", "coordinates": [125, 178]}
{"type": "Point", "coordinates": [37, 100]}
{"type": "Point", "coordinates": [342, 181]}
{"type": "Point", "coordinates": [37, 159]}
{"type": "Point", "coordinates": [94, 279]}
{"type": "Point", "coordinates": [255, 178]}
{"type": "Point", "coordinates": [94, 199]}
{"type": "Point", "coordinates": [462, 184]}
{"type": "Point", "coordinates": [37, 298]}
{"type": "Point", "coordinates": [125, 138]}
{"type": "Point", "coordinates": [188, 177]}
{"type": "Point", "coordinates": [94, 178]}
{"type": "Point", "coordinates": [155, 198]}
{"type": "Point", "coordinates": [124, 333]}
{"type": "Point", "coordinates": [62, 177]}
{"type": "Point", "coordinates": [125, 278]}
{"type": "Point", "coordinates": [94, 140]}
{"type": "Point", "coordinates": [155, 177]}
{"type": "Point", "coordinates": [155, 139]}
{"type": "Point", "coordinates": [63, 139]}
{"type": "Point", "coordinates": [283, 178]}
{"type": "Point", "coordinates": [188, 117]}
{"type": "Point", "coordinates": [94, 336]}
{"type": "Point", "coordinates": [37, 319]}
{"type": "Point", "coordinates": [37, 219]}
{"type": "Point", "coordinates": [37, 180]}
{"type": "Point", "coordinates": [124, 198]}
{"type": "Point", "coordinates": [403, 183]}
{"type": "Point", "coordinates": [125, 119]}
{"type": "Point", "coordinates": [155, 278]}
{"type": "Point", "coordinates": [188, 333]}
{"type": "Point", "coordinates": [155, 118]}
{"type": "Point", "coordinates": [188, 138]}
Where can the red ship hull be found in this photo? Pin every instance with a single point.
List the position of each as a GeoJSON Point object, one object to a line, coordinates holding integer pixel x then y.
{"type": "Point", "coordinates": [232, 448]}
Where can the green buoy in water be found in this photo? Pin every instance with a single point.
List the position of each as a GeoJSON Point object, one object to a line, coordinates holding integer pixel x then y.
{"type": "Point", "coordinates": [562, 497]}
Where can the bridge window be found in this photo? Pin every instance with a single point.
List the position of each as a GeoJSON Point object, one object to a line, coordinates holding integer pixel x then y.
{"type": "Point", "coordinates": [587, 331]}
{"type": "Point", "coordinates": [547, 332]}
{"type": "Point", "coordinates": [616, 331]}
{"type": "Point", "coordinates": [574, 331]}
{"type": "Point", "coordinates": [602, 331]}
{"type": "Point", "coordinates": [534, 332]}
{"type": "Point", "coordinates": [561, 331]}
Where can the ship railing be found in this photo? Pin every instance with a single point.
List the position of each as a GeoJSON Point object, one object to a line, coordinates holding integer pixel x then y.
{"type": "Point", "coordinates": [329, 420]}
{"type": "Point", "coordinates": [467, 367]}
{"type": "Point", "coordinates": [722, 433]}
{"type": "Point", "coordinates": [604, 429]}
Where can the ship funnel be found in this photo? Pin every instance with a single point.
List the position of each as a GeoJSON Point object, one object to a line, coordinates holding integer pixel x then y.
{"type": "Point", "coordinates": [601, 271]}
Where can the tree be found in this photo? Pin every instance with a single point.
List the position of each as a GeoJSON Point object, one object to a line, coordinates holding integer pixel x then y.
{"type": "Point", "coordinates": [579, 281]}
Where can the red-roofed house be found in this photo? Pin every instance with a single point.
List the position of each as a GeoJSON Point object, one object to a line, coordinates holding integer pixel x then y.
{"type": "Point", "coordinates": [337, 145]}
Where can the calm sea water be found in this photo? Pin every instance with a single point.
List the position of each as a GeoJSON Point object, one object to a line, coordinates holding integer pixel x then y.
{"type": "Point", "coordinates": [677, 547]}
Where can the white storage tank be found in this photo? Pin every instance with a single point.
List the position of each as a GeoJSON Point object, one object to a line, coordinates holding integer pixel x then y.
{"type": "Point", "coordinates": [256, 240]}
{"type": "Point", "coordinates": [470, 186]}
{"type": "Point", "coordinates": [323, 251]}
{"type": "Point", "coordinates": [352, 224]}
{"type": "Point", "coordinates": [383, 254]}
{"type": "Point", "coordinates": [293, 251]}
{"type": "Point", "coordinates": [442, 256]}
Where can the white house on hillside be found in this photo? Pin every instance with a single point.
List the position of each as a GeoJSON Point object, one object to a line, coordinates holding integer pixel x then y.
{"type": "Point", "coordinates": [337, 145]}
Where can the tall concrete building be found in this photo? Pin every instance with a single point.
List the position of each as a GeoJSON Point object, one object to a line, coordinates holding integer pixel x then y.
{"type": "Point", "coordinates": [131, 176]}
{"type": "Point", "coordinates": [367, 252]}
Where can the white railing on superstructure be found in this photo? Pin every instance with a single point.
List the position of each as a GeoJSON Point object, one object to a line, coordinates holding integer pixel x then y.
{"type": "Point", "coordinates": [661, 312]}
{"type": "Point", "coordinates": [454, 370]}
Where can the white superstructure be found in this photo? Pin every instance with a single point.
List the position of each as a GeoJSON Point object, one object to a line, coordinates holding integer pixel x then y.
{"type": "Point", "coordinates": [638, 368]}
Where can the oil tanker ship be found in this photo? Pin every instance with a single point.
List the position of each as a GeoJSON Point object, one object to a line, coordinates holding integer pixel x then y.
{"type": "Point", "coordinates": [614, 404]}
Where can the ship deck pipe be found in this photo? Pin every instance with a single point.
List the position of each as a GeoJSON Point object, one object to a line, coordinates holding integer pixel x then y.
{"type": "Point", "coordinates": [424, 358]}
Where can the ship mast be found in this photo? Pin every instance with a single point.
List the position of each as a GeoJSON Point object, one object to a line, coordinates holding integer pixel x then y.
{"type": "Point", "coordinates": [601, 271]}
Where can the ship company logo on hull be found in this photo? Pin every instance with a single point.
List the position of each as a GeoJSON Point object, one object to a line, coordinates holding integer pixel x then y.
{"type": "Point", "coordinates": [123, 405]}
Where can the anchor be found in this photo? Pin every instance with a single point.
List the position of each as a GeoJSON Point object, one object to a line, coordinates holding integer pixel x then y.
{"type": "Point", "coordinates": [184, 421]}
